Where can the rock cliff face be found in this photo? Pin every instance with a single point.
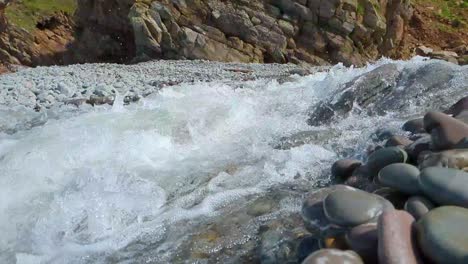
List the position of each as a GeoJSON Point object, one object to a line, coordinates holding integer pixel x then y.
{"type": "Point", "coordinates": [312, 31]}
{"type": "Point", "coordinates": [45, 46]}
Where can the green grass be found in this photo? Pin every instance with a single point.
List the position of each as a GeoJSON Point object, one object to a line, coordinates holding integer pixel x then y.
{"type": "Point", "coordinates": [26, 13]}
{"type": "Point", "coordinates": [449, 9]}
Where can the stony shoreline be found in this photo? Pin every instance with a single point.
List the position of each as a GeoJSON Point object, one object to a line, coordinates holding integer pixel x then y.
{"type": "Point", "coordinates": [406, 204]}
{"type": "Point", "coordinates": [44, 87]}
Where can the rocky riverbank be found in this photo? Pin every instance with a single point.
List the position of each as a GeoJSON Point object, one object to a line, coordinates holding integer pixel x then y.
{"type": "Point", "coordinates": [406, 204]}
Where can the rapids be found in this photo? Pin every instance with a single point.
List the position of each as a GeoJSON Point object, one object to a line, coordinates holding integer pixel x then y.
{"type": "Point", "coordinates": [178, 176]}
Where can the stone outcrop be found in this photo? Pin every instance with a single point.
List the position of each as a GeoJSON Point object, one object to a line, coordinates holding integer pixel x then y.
{"type": "Point", "coordinates": [45, 46]}
{"type": "Point", "coordinates": [312, 31]}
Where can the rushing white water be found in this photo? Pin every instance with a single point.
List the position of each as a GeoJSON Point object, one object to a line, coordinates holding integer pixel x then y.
{"type": "Point", "coordinates": [115, 184]}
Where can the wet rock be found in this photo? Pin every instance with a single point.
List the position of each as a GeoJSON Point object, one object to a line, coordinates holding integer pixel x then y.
{"type": "Point", "coordinates": [420, 145]}
{"type": "Point", "coordinates": [445, 186]}
{"type": "Point", "coordinates": [343, 169]}
{"type": "Point", "coordinates": [415, 126]}
{"type": "Point", "coordinates": [463, 116]}
{"type": "Point", "coordinates": [333, 256]}
{"type": "Point", "coordinates": [384, 157]}
{"type": "Point", "coordinates": [458, 107]}
{"type": "Point", "coordinates": [418, 206]}
{"type": "Point", "coordinates": [352, 207]}
{"type": "Point", "coordinates": [396, 197]}
{"type": "Point", "coordinates": [397, 241]}
{"type": "Point", "coordinates": [441, 235]}
{"type": "Point", "coordinates": [363, 240]}
{"type": "Point", "coordinates": [313, 214]}
{"type": "Point", "coordinates": [396, 141]}
{"type": "Point", "coordinates": [401, 176]}
{"type": "Point", "coordinates": [364, 91]}
{"type": "Point", "coordinates": [445, 131]}
{"type": "Point", "coordinates": [455, 158]}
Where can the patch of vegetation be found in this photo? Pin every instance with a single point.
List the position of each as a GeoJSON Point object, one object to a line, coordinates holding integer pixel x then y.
{"type": "Point", "coordinates": [27, 13]}
{"type": "Point", "coordinates": [448, 9]}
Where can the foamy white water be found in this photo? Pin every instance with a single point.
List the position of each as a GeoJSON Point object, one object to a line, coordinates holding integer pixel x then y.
{"type": "Point", "coordinates": [133, 183]}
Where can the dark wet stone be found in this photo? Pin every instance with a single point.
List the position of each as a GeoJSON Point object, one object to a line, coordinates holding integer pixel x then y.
{"type": "Point", "coordinates": [414, 126]}
{"type": "Point", "coordinates": [384, 157]}
{"type": "Point", "coordinates": [400, 176]}
{"type": "Point", "coordinates": [307, 246]}
{"type": "Point", "coordinates": [458, 107]}
{"type": "Point", "coordinates": [445, 186]}
{"type": "Point", "coordinates": [417, 147]}
{"type": "Point", "coordinates": [418, 206]}
{"type": "Point", "coordinates": [343, 169]}
{"type": "Point", "coordinates": [396, 197]}
{"type": "Point", "coordinates": [333, 256]}
{"type": "Point", "coordinates": [445, 130]}
{"type": "Point", "coordinates": [313, 215]}
{"type": "Point", "coordinates": [396, 141]}
{"type": "Point", "coordinates": [455, 158]}
{"type": "Point", "coordinates": [463, 116]}
{"type": "Point", "coordinates": [397, 241]}
{"type": "Point", "coordinates": [363, 239]}
{"type": "Point", "coordinates": [442, 235]}
{"type": "Point", "coordinates": [352, 207]}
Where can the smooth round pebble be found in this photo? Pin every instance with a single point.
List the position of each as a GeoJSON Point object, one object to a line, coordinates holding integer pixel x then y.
{"type": "Point", "coordinates": [418, 206]}
{"type": "Point", "coordinates": [333, 256]}
{"type": "Point", "coordinates": [384, 157]}
{"type": "Point", "coordinates": [445, 130]}
{"type": "Point", "coordinates": [442, 235]}
{"type": "Point", "coordinates": [352, 207]}
{"type": "Point", "coordinates": [445, 186]}
{"type": "Point", "coordinates": [401, 176]}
